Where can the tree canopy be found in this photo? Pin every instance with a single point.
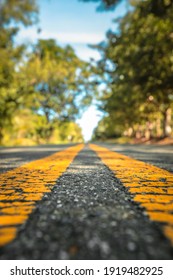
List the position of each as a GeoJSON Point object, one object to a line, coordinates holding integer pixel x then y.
{"type": "Point", "coordinates": [105, 4]}
{"type": "Point", "coordinates": [49, 86]}
{"type": "Point", "coordinates": [138, 66]}
{"type": "Point", "coordinates": [42, 86]}
{"type": "Point", "coordinates": [12, 14]}
{"type": "Point", "coordinates": [53, 73]}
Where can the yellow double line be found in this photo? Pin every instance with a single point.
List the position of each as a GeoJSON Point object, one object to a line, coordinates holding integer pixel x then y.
{"type": "Point", "coordinates": [22, 187]}
{"type": "Point", "coordinates": [151, 186]}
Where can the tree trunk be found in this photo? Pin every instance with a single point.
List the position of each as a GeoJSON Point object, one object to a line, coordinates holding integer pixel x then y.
{"type": "Point", "coordinates": [167, 122]}
{"type": "Point", "coordinates": [158, 128]}
{"type": "Point", "coordinates": [138, 133]}
{"type": "Point", "coordinates": [130, 132]}
{"type": "Point", "coordinates": [148, 130]}
{"type": "Point", "coordinates": [1, 135]}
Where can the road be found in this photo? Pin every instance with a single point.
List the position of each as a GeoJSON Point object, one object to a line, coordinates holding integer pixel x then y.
{"type": "Point", "coordinates": [89, 202]}
{"type": "Point", "coordinates": [15, 156]}
{"type": "Point", "coordinates": [159, 155]}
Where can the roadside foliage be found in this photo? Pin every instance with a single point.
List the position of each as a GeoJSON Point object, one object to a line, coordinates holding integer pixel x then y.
{"type": "Point", "coordinates": [137, 64]}
{"type": "Point", "coordinates": [43, 87]}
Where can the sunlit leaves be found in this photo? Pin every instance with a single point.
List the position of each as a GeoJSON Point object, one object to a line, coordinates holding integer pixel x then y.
{"type": "Point", "coordinates": [139, 56]}
{"type": "Point", "coordinates": [12, 14]}
{"type": "Point", "coordinates": [18, 11]}
{"type": "Point", "coordinates": [105, 4]}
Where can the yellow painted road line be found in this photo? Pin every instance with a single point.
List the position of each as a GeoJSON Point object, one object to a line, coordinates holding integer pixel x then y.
{"type": "Point", "coordinates": [151, 186]}
{"type": "Point", "coordinates": [22, 187]}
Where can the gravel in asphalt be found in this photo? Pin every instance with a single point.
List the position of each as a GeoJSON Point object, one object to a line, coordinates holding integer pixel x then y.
{"type": "Point", "coordinates": [88, 215]}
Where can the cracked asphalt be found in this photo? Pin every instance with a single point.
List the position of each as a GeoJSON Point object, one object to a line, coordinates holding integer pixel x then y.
{"type": "Point", "coordinates": [88, 215]}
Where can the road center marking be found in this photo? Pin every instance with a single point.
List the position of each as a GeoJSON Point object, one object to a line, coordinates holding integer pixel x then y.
{"type": "Point", "coordinates": [22, 187]}
{"type": "Point", "coordinates": [151, 186]}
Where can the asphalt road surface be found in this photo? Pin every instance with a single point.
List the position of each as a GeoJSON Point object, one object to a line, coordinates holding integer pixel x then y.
{"type": "Point", "coordinates": [89, 213]}
{"type": "Point", "coordinates": [159, 155]}
{"type": "Point", "coordinates": [15, 156]}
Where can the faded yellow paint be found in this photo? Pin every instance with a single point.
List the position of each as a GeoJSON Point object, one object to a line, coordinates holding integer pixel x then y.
{"type": "Point", "coordinates": [158, 206]}
{"type": "Point", "coordinates": [8, 220]}
{"type": "Point", "coordinates": [22, 187]}
{"type": "Point", "coordinates": [16, 210]}
{"type": "Point", "coordinates": [7, 235]}
{"type": "Point", "coordinates": [152, 190]}
{"type": "Point", "coordinates": [168, 230]}
{"type": "Point", "coordinates": [152, 187]}
{"type": "Point", "coordinates": [161, 217]}
{"type": "Point", "coordinates": [154, 198]}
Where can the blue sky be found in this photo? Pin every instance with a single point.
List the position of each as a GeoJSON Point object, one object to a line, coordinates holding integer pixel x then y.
{"type": "Point", "coordinates": [78, 24]}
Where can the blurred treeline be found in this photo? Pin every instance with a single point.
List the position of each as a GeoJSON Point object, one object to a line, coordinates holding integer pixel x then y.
{"type": "Point", "coordinates": [42, 86]}
{"type": "Point", "coordinates": [137, 67]}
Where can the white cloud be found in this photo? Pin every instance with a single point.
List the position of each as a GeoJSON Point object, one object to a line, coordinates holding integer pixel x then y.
{"type": "Point", "coordinates": [84, 38]}
{"type": "Point", "coordinates": [78, 41]}
{"type": "Point", "coordinates": [86, 53]}
{"type": "Point", "coordinates": [63, 37]}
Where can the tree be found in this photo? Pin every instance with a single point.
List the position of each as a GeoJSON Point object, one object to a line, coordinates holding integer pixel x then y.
{"type": "Point", "coordinates": [59, 79]}
{"type": "Point", "coordinates": [105, 4]}
{"type": "Point", "coordinates": [157, 7]}
{"type": "Point", "coordinates": [13, 13]}
{"type": "Point", "coordinates": [137, 64]}
{"type": "Point", "coordinates": [146, 62]}
{"type": "Point", "coordinates": [29, 128]}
